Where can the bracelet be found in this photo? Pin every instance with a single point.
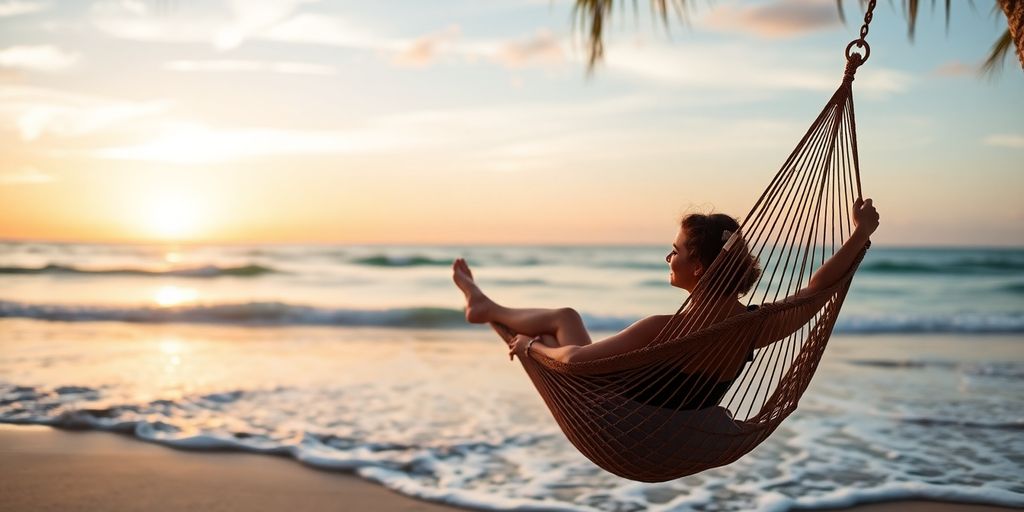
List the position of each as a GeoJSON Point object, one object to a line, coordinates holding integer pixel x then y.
{"type": "Point", "coordinates": [532, 340]}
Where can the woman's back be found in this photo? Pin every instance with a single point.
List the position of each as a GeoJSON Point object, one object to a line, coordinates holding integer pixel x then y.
{"type": "Point", "coordinates": [672, 388]}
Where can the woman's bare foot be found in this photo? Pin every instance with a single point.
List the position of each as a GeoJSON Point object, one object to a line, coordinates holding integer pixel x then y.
{"type": "Point", "coordinates": [478, 305]}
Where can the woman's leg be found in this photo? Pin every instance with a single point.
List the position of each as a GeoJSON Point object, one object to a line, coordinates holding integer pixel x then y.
{"type": "Point", "coordinates": [564, 324]}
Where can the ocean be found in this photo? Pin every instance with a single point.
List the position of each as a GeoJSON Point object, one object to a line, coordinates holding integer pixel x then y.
{"type": "Point", "coordinates": [357, 358]}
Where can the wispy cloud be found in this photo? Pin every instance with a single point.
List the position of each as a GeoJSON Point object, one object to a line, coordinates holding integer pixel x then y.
{"type": "Point", "coordinates": [320, 29]}
{"type": "Point", "coordinates": [543, 47]}
{"type": "Point", "coordinates": [776, 19]}
{"type": "Point", "coordinates": [34, 111]}
{"type": "Point", "coordinates": [956, 68]}
{"type": "Point", "coordinates": [332, 30]}
{"type": "Point", "coordinates": [26, 176]}
{"type": "Point", "coordinates": [511, 137]}
{"type": "Point", "coordinates": [232, 66]}
{"type": "Point", "coordinates": [424, 50]}
{"type": "Point", "coordinates": [37, 58]}
{"type": "Point", "coordinates": [443, 130]}
{"type": "Point", "coordinates": [1005, 140]}
{"type": "Point", "coordinates": [734, 67]}
{"type": "Point", "coordinates": [225, 25]}
{"type": "Point", "coordinates": [16, 8]}
{"type": "Point", "coordinates": [134, 21]}
{"type": "Point", "coordinates": [192, 143]}
{"type": "Point", "coordinates": [283, 22]}
{"type": "Point", "coordinates": [251, 17]}
{"type": "Point", "coordinates": [546, 135]}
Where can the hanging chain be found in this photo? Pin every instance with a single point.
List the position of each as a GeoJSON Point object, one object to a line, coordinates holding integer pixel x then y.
{"type": "Point", "coordinates": [854, 60]}
{"type": "Point", "coordinates": [867, 20]}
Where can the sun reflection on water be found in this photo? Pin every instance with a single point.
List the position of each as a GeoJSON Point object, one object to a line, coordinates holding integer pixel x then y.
{"type": "Point", "coordinates": [170, 346]}
{"type": "Point", "coordinates": [170, 295]}
{"type": "Point", "coordinates": [170, 353]}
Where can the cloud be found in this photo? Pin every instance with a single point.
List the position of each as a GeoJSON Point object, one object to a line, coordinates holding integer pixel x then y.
{"type": "Point", "coordinates": [440, 131]}
{"type": "Point", "coordinates": [133, 21]}
{"type": "Point", "coordinates": [956, 68]}
{"type": "Point", "coordinates": [16, 8]}
{"type": "Point", "coordinates": [26, 176]}
{"type": "Point", "coordinates": [422, 51]}
{"type": "Point", "coordinates": [1005, 140]}
{"type": "Point", "coordinates": [319, 29]}
{"type": "Point", "coordinates": [734, 67]}
{"type": "Point", "coordinates": [531, 136]}
{"type": "Point", "coordinates": [543, 47]}
{"type": "Point", "coordinates": [192, 143]}
{"type": "Point", "coordinates": [36, 111]}
{"type": "Point", "coordinates": [37, 58]}
{"type": "Point", "coordinates": [776, 19]}
{"type": "Point", "coordinates": [550, 136]}
{"type": "Point", "coordinates": [225, 25]}
{"type": "Point", "coordinates": [253, 16]}
{"type": "Point", "coordinates": [325, 30]}
{"type": "Point", "coordinates": [230, 66]}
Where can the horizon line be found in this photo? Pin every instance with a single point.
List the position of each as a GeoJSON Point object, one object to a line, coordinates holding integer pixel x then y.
{"type": "Point", "coordinates": [207, 243]}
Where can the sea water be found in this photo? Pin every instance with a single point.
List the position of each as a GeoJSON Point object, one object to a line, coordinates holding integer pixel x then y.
{"type": "Point", "coordinates": [358, 359]}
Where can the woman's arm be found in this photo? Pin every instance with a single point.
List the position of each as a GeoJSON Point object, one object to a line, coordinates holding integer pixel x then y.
{"type": "Point", "coordinates": [865, 218]}
{"type": "Point", "coordinates": [631, 338]}
{"type": "Point", "coordinates": [836, 266]}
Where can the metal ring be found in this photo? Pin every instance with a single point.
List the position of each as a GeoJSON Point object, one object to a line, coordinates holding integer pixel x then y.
{"type": "Point", "coordinates": [859, 43]}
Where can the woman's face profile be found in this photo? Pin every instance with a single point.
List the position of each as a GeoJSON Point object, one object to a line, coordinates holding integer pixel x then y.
{"type": "Point", "coordinates": [682, 269]}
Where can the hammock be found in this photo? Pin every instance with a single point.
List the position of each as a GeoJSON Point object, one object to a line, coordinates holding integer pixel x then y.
{"type": "Point", "coordinates": [800, 220]}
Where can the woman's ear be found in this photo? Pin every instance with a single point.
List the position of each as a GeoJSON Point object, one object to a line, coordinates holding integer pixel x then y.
{"type": "Point", "coordinates": [698, 270]}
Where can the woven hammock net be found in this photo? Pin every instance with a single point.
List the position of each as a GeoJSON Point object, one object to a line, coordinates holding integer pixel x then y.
{"type": "Point", "coordinates": [800, 220]}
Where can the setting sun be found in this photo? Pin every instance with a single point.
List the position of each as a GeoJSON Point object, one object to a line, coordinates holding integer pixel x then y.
{"type": "Point", "coordinates": [172, 217]}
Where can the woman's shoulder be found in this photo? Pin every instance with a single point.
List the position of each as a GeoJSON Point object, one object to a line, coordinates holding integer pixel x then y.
{"type": "Point", "coordinates": [653, 322]}
{"type": "Point", "coordinates": [652, 325]}
{"type": "Point", "coordinates": [655, 319]}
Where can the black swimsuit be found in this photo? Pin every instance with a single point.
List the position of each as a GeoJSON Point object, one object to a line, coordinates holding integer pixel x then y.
{"type": "Point", "coordinates": [682, 391]}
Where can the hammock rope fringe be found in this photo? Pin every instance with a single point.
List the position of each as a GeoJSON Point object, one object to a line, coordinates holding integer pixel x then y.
{"type": "Point", "coordinates": [801, 219]}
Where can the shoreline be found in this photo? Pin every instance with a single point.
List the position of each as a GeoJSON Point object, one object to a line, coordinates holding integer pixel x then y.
{"type": "Point", "coordinates": [45, 468]}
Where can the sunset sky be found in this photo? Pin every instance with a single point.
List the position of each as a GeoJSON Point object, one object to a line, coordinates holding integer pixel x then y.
{"type": "Point", "coordinates": [469, 121]}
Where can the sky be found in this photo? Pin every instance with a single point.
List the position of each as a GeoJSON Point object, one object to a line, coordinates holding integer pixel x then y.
{"type": "Point", "coordinates": [468, 121]}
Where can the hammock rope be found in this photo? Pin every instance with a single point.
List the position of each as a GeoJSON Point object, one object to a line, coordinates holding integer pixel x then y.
{"type": "Point", "coordinates": [799, 221]}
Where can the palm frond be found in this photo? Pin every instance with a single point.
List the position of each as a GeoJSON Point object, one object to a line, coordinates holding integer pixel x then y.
{"type": "Point", "coordinates": [997, 56]}
{"type": "Point", "coordinates": [591, 16]}
{"type": "Point", "coordinates": [947, 16]}
{"type": "Point", "coordinates": [912, 6]}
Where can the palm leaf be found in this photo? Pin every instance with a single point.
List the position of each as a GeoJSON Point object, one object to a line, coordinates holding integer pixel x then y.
{"type": "Point", "coordinates": [997, 56]}
{"type": "Point", "coordinates": [591, 17]}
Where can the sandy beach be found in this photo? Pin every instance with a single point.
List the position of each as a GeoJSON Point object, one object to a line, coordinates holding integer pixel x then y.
{"type": "Point", "coordinates": [50, 469]}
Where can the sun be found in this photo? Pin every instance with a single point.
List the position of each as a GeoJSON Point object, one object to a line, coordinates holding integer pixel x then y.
{"type": "Point", "coordinates": [168, 296]}
{"type": "Point", "coordinates": [172, 217]}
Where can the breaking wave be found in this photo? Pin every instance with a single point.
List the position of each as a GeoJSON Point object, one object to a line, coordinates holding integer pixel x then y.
{"type": "Point", "coordinates": [429, 317]}
{"type": "Point", "coordinates": [205, 271]}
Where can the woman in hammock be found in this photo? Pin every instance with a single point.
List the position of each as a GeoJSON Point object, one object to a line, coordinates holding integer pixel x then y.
{"type": "Point", "coordinates": [560, 334]}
